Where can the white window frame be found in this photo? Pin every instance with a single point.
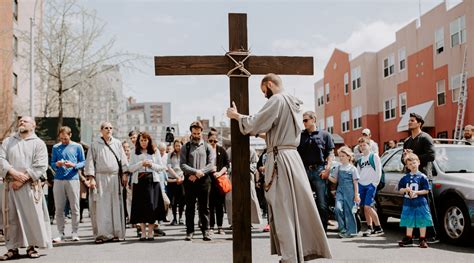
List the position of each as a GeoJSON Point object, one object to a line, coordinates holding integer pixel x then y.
{"type": "Point", "coordinates": [330, 124]}
{"type": "Point", "coordinates": [402, 59]}
{"type": "Point", "coordinates": [15, 46]}
{"type": "Point", "coordinates": [402, 102]}
{"type": "Point", "coordinates": [320, 124]}
{"type": "Point", "coordinates": [392, 106]}
{"type": "Point", "coordinates": [327, 90]}
{"type": "Point", "coordinates": [389, 65]}
{"type": "Point", "coordinates": [356, 78]}
{"type": "Point", "coordinates": [457, 30]}
{"type": "Point", "coordinates": [345, 121]}
{"type": "Point", "coordinates": [15, 10]}
{"type": "Point", "coordinates": [357, 118]}
{"type": "Point", "coordinates": [440, 89]}
{"type": "Point", "coordinates": [346, 83]}
{"type": "Point", "coordinates": [455, 87]}
{"type": "Point", "coordinates": [320, 96]}
{"type": "Point", "coordinates": [439, 40]}
{"type": "Point", "coordinates": [15, 83]}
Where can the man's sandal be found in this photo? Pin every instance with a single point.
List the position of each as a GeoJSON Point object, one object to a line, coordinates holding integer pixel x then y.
{"type": "Point", "coordinates": [32, 253]}
{"type": "Point", "coordinates": [11, 254]}
{"type": "Point", "coordinates": [99, 241]}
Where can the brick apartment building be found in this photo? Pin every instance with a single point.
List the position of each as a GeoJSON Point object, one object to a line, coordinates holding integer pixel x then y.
{"type": "Point", "coordinates": [419, 72]}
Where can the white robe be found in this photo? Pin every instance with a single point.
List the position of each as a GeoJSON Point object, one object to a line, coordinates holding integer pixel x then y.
{"type": "Point", "coordinates": [296, 230]}
{"type": "Point", "coordinates": [255, 211]}
{"type": "Point", "coordinates": [106, 203]}
{"type": "Point", "coordinates": [27, 223]}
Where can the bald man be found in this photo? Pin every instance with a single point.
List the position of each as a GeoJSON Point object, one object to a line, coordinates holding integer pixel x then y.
{"type": "Point", "coordinates": [23, 161]}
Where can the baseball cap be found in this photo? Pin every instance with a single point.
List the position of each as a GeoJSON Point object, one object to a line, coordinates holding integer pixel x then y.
{"type": "Point", "coordinates": [366, 131]}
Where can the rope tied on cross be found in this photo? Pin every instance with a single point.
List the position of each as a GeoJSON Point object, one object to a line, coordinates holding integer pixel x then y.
{"type": "Point", "coordinates": [239, 65]}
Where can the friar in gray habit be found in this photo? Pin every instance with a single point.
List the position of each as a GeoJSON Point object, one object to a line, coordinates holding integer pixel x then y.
{"type": "Point", "coordinates": [297, 234]}
{"type": "Point", "coordinates": [23, 161]}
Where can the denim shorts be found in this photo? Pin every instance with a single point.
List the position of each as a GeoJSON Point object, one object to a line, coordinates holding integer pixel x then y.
{"type": "Point", "coordinates": [367, 194]}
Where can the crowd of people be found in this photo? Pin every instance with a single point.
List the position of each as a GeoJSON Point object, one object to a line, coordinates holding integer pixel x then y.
{"type": "Point", "coordinates": [145, 184]}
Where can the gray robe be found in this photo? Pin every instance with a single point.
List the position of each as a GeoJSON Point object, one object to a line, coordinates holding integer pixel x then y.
{"type": "Point", "coordinates": [255, 211]}
{"type": "Point", "coordinates": [106, 203]}
{"type": "Point", "coordinates": [26, 221]}
{"type": "Point", "coordinates": [296, 230]}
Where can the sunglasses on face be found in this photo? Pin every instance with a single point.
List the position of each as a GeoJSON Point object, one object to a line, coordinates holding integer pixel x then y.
{"type": "Point", "coordinates": [306, 120]}
{"type": "Point", "coordinates": [213, 141]}
{"type": "Point", "coordinates": [107, 128]}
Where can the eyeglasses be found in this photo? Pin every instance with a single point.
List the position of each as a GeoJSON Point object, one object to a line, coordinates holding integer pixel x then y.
{"type": "Point", "coordinates": [107, 128]}
{"type": "Point", "coordinates": [306, 120]}
{"type": "Point", "coordinates": [213, 141]}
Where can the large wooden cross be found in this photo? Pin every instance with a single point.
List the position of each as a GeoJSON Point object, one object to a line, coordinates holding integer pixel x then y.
{"type": "Point", "coordinates": [238, 66]}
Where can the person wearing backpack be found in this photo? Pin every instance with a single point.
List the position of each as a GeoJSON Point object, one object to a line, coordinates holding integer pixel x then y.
{"type": "Point", "coordinates": [370, 172]}
{"type": "Point", "coordinates": [197, 164]}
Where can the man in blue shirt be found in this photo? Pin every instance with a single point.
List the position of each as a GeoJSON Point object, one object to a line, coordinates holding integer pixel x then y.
{"type": "Point", "coordinates": [315, 149]}
{"type": "Point", "coordinates": [67, 158]}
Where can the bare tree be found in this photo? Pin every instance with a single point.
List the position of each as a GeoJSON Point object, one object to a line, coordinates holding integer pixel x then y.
{"type": "Point", "coordinates": [72, 51]}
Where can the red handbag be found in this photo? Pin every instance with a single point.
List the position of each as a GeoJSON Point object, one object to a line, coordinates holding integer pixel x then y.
{"type": "Point", "coordinates": [224, 184]}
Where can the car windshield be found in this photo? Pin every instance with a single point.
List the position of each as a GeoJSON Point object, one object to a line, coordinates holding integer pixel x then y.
{"type": "Point", "coordinates": [455, 159]}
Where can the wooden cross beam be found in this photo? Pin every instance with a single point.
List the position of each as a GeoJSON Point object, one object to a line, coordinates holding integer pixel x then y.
{"type": "Point", "coordinates": [255, 65]}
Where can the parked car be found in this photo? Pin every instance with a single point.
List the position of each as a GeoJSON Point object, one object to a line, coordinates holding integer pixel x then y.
{"type": "Point", "coordinates": [452, 187]}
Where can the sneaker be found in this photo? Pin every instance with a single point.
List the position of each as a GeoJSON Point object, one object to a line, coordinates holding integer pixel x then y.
{"type": "Point", "coordinates": [181, 222]}
{"type": "Point", "coordinates": [432, 240]}
{"type": "Point", "coordinates": [377, 232]}
{"type": "Point", "coordinates": [75, 237]}
{"type": "Point", "coordinates": [423, 243]}
{"type": "Point", "coordinates": [59, 239]}
{"type": "Point", "coordinates": [211, 231]}
{"type": "Point", "coordinates": [206, 236]}
{"type": "Point", "coordinates": [174, 222]}
{"type": "Point", "coordinates": [220, 231]}
{"type": "Point", "coordinates": [189, 236]}
{"type": "Point", "coordinates": [266, 228]}
{"type": "Point", "coordinates": [405, 242]}
{"type": "Point", "coordinates": [344, 235]}
{"type": "Point", "coordinates": [367, 232]}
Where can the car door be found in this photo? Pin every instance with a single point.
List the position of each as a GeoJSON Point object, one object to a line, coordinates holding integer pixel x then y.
{"type": "Point", "coordinates": [390, 200]}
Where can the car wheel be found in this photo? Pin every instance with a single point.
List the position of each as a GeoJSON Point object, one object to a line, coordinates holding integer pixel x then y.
{"type": "Point", "coordinates": [456, 224]}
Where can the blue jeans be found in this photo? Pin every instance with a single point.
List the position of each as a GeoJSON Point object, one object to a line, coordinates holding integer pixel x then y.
{"type": "Point", "coordinates": [320, 192]}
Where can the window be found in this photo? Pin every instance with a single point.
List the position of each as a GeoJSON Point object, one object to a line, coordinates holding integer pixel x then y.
{"type": "Point", "coordinates": [15, 9]}
{"type": "Point", "coordinates": [390, 109]}
{"type": "Point", "coordinates": [441, 92]}
{"type": "Point", "coordinates": [457, 29]}
{"type": "Point", "coordinates": [439, 40]}
{"type": "Point", "coordinates": [15, 46]}
{"type": "Point", "coordinates": [330, 124]}
{"type": "Point", "coordinates": [321, 124]}
{"type": "Point", "coordinates": [388, 66]}
{"type": "Point", "coordinates": [442, 135]}
{"type": "Point", "coordinates": [357, 117]}
{"type": "Point", "coordinates": [345, 121]}
{"type": "Point", "coordinates": [355, 75]}
{"type": "Point", "coordinates": [15, 84]}
{"type": "Point", "coordinates": [320, 96]}
{"type": "Point", "coordinates": [456, 86]}
{"type": "Point", "coordinates": [327, 92]}
{"type": "Point", "coordinates": [346, 83]}
{"type": "Point", "coordinates": [402, 58]}
{"type": "Point", "coordinates": [394, 164]}
{"type": "Point", "coordinates": [403, 103]}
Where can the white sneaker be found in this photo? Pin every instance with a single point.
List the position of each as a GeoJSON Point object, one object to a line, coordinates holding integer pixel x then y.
{"type": "Point", "coordinates": [75, 237]}
{"type": "Point", "coordinates": [59, 239]}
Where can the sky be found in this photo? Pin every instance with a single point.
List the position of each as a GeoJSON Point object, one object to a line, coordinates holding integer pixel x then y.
{"type": "Point", "coordinates": [279, 28]}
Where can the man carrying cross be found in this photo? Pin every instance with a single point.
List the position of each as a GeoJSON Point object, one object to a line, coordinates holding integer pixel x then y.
{"type": "Point", "coordinates": [296, 230]}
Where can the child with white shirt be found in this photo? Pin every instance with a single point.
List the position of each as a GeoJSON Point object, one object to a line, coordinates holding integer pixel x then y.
{"type": "Point", "coordinates": [370, 172]}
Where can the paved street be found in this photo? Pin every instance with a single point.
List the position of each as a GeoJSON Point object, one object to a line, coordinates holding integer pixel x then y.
{"type": "Point", "coordinates": [172, 248]}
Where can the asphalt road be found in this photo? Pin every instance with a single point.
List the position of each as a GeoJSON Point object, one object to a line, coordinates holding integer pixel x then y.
{"type": "Point", "coordinates": [173, 248]}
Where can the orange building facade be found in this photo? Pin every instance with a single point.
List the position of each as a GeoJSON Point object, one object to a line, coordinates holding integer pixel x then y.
{"type": "Point", "coordinates": [420, 72]}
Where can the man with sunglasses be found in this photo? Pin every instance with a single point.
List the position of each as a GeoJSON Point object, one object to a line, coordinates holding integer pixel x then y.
{"type": "Point", "coordinates": [105, 161]}
{"type": "Point", "coordinates": [315, 149]}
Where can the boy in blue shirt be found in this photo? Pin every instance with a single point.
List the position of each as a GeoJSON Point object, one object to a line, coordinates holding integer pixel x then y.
{"type": "Point", "coordinates": [415, 212]}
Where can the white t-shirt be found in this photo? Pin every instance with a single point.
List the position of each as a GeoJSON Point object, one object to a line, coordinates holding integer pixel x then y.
{"type": "Point", "coordinates": [367, 174]}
